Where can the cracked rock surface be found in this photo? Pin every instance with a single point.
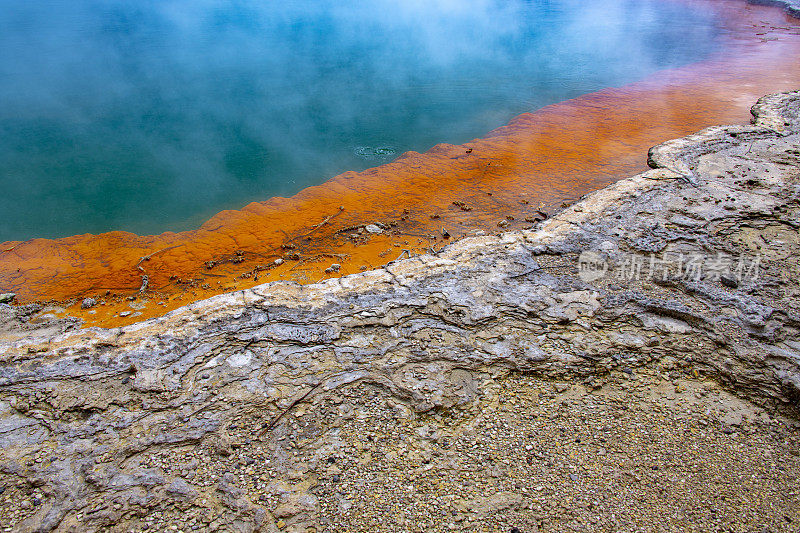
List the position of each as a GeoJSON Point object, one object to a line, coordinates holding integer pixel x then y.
{"type": "Point", "coordinates": [315, 408]}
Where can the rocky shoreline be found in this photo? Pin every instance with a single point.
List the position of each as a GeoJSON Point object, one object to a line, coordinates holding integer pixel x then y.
{"type": "Point", "coordinates": [792, 7]}
{"type": "Point", "coordinates": [630, 364]}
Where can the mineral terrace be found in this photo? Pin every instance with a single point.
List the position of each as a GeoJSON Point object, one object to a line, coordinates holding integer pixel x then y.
{"type": "Point", "coordinates": [632, 364]}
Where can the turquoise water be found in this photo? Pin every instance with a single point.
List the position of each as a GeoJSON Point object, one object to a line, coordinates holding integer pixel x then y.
{"type": "Point", "coordinates": [151, 116]}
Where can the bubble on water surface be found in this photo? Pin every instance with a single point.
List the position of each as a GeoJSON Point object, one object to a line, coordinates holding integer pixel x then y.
{"type": "Point", "coordinates": [375, 153]}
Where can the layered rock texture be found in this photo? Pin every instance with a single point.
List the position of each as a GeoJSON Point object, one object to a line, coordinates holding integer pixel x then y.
{"type": "Point", "coordinates": [233, 413]}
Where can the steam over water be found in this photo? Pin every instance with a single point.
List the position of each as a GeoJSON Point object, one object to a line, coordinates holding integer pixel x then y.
{"type": "Point", "coordinates": [151, 116]}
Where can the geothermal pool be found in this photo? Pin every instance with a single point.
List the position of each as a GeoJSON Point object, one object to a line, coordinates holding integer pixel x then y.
{"type": "Point", "coordinates": [149, 116]}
